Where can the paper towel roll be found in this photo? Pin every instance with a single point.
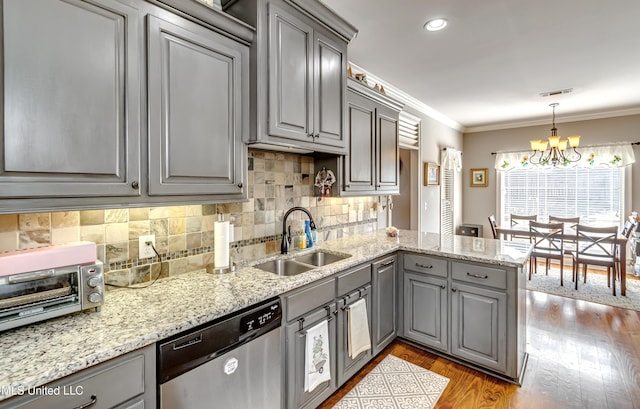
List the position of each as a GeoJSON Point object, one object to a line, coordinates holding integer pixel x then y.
{"type": "Point", "coordinates": [221, 245]}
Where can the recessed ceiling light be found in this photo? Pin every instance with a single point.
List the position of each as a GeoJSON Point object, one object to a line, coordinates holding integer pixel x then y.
{"type": "Point", "coordinates": [435, 24]}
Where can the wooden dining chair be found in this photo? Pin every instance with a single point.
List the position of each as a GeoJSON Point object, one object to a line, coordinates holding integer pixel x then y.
{"type": "Point", "coordinates": [548, 243]}
{"type": "Point", "coordinates": [570, 224]}
{"type": "Point", "coordinates": [597, 247]}
{"type": "Point", "coordinates": [627, 229]}
{"type": "Point", "coordinates": [518, 221]}
{"type": "Point", "coordinates": [494, 226]}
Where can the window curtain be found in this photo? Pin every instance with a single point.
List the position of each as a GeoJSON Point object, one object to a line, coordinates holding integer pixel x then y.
{"type": "Point", "coordinates": [618, 155]}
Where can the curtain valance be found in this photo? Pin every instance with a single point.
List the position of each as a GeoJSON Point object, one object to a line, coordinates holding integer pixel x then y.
{"type": "Point", "coordinates": [617, 155]}
{"type": "Point", "coordinates": [452, 159]}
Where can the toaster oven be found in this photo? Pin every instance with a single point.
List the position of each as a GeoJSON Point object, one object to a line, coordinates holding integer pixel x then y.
{"type": "Point", "coordinates": [27, 297]}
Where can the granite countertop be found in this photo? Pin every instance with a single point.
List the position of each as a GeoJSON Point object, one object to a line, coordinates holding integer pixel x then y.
{"type": "Point", "coordinates": [130, 319]}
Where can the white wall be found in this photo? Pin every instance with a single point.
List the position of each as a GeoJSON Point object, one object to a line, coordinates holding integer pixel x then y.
{"type": "Point", "coordinates": [480, 202]}
{"type": "Point", "coordinates": [434, 137]}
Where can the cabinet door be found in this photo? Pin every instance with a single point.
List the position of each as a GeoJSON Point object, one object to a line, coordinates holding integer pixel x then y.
{"type": "Point", "coordinates": [296, 397]}
{"type": "Point", "coordinates": [329, 91]}
{"type": "Point", "coordinates": [71, 102]}
{"type": "Point", "coordinates": [387, 154]}
{"type": "Point", "coordinates": [195, 110]}
{"type": "Point", "coordinates": [426, 310]}
{"type": "Point", "coordinates": [290, 75]}
{"type": "Point", "coordinates": [359, 166]}
{"type": "Point", "coordinates": [347, 366]}
{"type": "Point", "coordinates": [384, 303]}
{"type": "Point", "coordinates": [479, 326]}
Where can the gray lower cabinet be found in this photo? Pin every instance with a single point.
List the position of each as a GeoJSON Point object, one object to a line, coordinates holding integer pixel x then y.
{"type": "Point", "coordinates": [384, 302]}
{"type": "Point", "coordinates": [125, 382]}
{"type": "Point", "coordinates": [426, 310]}
{"type": "Point", "coordinates": [71, 101]}
{"type": "Point", "coordinates": [472, 311]}
{"type": "Point", "coordinates": [196, 96]}
{"type": "Point", "coordinates": [352, 285]}
{"type": "Point", "coordinates": [479, 325]}
{"type": "Point", "coordinates": [299, 73]}
{"type": "Point", "coordinates": [303, 308]}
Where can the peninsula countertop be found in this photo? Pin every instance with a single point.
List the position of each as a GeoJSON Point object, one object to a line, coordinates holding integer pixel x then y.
{"type": "Point", "coordinates": [37, 354]}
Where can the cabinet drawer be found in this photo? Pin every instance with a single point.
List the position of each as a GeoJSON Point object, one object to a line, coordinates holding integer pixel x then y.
{"type": "Point", "coordinates": [471, 273]}
{"type": "Point", "coordinates": [309, 298]}
{"type": "Point", "coordinates": [353, 279]}
{"type": "Point", "coordinates": [109, 384]}
{"type": "Point", "coordinates": [425, 264]}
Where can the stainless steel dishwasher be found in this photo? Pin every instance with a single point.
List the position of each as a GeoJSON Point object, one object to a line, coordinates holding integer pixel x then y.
{"type": "Point", "coordinates": [234, 362]}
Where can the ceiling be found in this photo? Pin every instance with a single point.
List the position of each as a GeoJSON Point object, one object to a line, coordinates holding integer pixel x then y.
{"type": "Point", "coordinates": [487, 68]}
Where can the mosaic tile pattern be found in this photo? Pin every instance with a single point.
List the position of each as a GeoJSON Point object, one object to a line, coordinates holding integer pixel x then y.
{"type": "Point", "coordinates": [395, 384]}
{"type": "Point", "coordinates": [277, 182]}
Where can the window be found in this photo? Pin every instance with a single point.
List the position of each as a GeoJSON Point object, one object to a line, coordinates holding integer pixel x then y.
{"type": "Point", "coordinates": [595, 194]}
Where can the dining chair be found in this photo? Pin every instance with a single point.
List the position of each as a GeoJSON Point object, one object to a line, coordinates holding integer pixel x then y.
{"type": "Point", "coordinates": [494, 225]}
{"type": "Point", "coordinates": [627, 229]}
{"type": "Point", "coordinates": [597, 247]}
{"type": "Point", "coordinates": [518, 221]}
{"type": "Point", "coordinates": [548, 243]}
{"type": "Point", "coordinates": [570, 224]}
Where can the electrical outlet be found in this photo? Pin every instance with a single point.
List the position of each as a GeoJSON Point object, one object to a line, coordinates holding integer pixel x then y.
{"type": "Point", "coordinates": [145, 250]}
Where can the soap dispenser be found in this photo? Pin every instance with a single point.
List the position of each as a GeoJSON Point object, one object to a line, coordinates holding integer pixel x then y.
{"type": "Point", "coordinates": [307, 232]}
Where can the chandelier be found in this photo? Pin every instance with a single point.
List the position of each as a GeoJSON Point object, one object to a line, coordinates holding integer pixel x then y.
{"type": "Point", "coordinates": [557, 153]}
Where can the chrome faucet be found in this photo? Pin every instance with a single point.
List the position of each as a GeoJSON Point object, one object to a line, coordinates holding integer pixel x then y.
{"type": "Point", "coordinates": [286, 237]}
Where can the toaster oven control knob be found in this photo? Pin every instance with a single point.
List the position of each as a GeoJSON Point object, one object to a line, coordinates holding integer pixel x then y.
{"type": "Point", "coordinates": [93, 282]}
{"type": "Point", "coordinates": [95, 298]}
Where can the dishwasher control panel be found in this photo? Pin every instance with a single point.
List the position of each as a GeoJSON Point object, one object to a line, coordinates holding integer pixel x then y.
{"type": "Point", "coordinates": [261, 318]}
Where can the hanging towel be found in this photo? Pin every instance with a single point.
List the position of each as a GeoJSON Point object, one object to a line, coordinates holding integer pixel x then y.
{"type": "Point", "coordinates": [359, 339]}
{"type": "Point", "coordinates": [317, 369]}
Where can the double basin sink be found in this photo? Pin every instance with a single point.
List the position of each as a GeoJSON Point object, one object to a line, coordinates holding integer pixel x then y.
{"type": "Point", "coordinates": [301, 263]}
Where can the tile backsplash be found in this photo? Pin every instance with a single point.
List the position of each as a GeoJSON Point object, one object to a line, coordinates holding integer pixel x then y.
{"type": "Point", "coordinates": [184, 234]}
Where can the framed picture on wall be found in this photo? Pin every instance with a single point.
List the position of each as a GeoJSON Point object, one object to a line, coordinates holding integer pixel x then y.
{"type": "Point", "coordinates": [479, 177]}
{"type": "Point", "coordinates": [431, 174]}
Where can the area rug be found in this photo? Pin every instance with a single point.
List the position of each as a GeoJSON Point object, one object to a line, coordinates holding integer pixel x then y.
{"type": "Point", "coordinates": [395, 384]}
{"type": "Point", "coordinates": [594, 290]}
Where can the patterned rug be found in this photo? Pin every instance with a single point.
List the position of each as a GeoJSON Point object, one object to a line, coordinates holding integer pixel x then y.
{"type": "Point", "coordinates": [395, 384]}
{"type": "Point", "coordinates": [595, 289]}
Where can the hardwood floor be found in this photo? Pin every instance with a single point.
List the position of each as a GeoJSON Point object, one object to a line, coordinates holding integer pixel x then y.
{"type": "Point", "coordinates": [581, 355]}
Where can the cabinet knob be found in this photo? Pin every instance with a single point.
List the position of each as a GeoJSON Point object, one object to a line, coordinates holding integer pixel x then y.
{"type": "Point", "coordinates": [443, 286]}
{"type": "Point", "coordinates": [347, 185]}
{"type": "Point", "coordinates": [453, 290]}
{"type": "Point", "coordinates": [135, 184]}
{"type": "Point", "coordinates": [240, 185]}
{"type": "Point", "coordinates": [316, 136]}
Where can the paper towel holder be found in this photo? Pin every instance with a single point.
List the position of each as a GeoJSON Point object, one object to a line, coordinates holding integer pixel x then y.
{"type": "Point", "coordinates": [212, 269]}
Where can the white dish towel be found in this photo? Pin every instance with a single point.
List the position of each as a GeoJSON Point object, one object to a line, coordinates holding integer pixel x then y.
{"type": "Point", "coordinates": [359, 339]}
{"type": "Point", "coordinates": [317, 369]}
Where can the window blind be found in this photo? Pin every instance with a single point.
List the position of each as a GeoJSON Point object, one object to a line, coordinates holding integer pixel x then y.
{"type": "Point", "coordinates": [594, 194]}
{"type": "Point", "coordinates": [409, 130]}
{"type": "Point", "coordinates": [447, 201]}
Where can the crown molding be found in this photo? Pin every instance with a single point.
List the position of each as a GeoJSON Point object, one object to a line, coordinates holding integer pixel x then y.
{"type": "Point", "coordinates": [565, 119]}
{"type": "Point", "coordinates": [408, 100]}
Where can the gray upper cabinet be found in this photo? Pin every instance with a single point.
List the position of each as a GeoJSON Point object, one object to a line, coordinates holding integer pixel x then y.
{"type": "Point", "coordinates": [195, 110]}
{"type": "Point", "coordinates": [122, 103]}
{"type": "Point", "coordinates": [372, 163]}
{"type": "Point", "coordinates": [71, 79]}
{"type": "Point", "coordinates": [299, 74]}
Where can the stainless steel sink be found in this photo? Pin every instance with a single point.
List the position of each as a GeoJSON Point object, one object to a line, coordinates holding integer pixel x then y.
{"type": "Point", "coordinates": [301, 263]}
{"type": "Point", "coordinates": [320, 258]}
{"type": "Point", "coordinates": [284, 267]}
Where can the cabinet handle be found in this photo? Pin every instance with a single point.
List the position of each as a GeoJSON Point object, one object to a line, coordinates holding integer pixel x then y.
{"type": "Point", "coordinates": [240, 185]}
{"type": "Point", "coordinates": [477, 276]}
{"type": "Point", "coordinates": [316, 136]}
{"type": "Point", "coordinates": [348, 185]}
{"type": "Point", "coordinates": [92, 402]}
{"type": "Point", "coordinates": [443, 286]}
{"type": "Point", "coordinates": [310, 136]}
{"type": "Point", "coordinates": [453, 290]}
{"type": "Point", "coordinates": [135, 184]}
{"type": "Point", "coordinates": [387, 264]}
{"type": "Point", "coordinates": [423, 266]}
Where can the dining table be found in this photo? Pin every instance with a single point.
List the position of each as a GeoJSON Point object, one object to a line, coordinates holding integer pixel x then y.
{"type": "Point", "coordinates": [620, 241]}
